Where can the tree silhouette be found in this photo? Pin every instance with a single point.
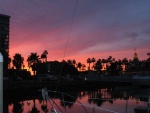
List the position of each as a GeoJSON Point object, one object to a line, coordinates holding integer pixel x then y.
{"type": "Point", "coordinates": [89, 62]}
{"type": "Point", "coordinates": [18, 61]}
{"type": "Point", "coordinates": [44, 108]}
{"type": "Point", "coordinates": [125, 62]}
{"type": "Point", "coordinates": [79, 65]}
{"type": "Point", "coordinates": [34, 109]}
{"type": "Point", "coordinates": [33, 60]}
{"type": "Point", "coordinates": [44, 56]}
{"type": "Point", "coordinates": [68, 68]}
{"type": "Point", "coordinates": [93, 60]}
{"type": "Point", "coordinates": [98, 66]}
{"type": "Point", "coordinates": [115, 68]}
{"type": "Point", "coordinates": [104, 63]}
{"type": "Point", "coordinates": [109, 59]}
{"type": "Point", "coordinates": [69, 62]}
{"type": "Point", "coordinates": [74, 63]}
{"type": "Point", "coordinates": [17, 107]}
{"type": "Point", "coordinates": [83, 67]}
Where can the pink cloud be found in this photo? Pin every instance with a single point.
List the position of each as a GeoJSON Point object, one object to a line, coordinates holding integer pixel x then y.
{"type": "Point", "coordinates": [99, 28]}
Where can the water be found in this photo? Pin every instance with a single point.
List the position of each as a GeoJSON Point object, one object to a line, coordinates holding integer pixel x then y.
{"type": "Point", "coordinates": [118, 99]}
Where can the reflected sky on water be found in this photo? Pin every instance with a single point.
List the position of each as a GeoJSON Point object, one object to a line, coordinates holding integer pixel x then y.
{"type": "Point", "coordinates": [104, 100]}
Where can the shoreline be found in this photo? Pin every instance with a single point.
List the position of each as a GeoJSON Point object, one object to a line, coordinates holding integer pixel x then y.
{"type": "Point", "coordinates": [23, 85]}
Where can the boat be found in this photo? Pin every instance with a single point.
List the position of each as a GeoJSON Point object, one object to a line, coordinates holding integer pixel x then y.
{"type": "Point", "coordinates": [53, 110]}
{"type": "Point", "coordinates": [46, 98]}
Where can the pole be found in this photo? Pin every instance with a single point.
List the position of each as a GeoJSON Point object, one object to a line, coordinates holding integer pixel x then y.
{"type": "Point", "coordinates": [1, 83]}
{"type": "Point", "coordinates": [148, 104]}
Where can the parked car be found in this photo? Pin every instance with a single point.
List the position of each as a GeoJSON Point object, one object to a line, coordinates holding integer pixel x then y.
{"type": "Point", "coordinates": [46, 77]}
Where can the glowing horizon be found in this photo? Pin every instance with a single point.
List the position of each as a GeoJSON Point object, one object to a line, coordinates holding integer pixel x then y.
{"type": "Point", "coordinates": [100, 28]}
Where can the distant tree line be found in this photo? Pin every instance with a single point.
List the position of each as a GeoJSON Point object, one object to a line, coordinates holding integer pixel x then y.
{"type": "Point", "coordinates": [109, 65]}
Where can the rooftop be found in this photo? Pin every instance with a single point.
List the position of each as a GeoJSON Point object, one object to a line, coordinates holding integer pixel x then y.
{"type": "Point", "coordinates": [4, 15]}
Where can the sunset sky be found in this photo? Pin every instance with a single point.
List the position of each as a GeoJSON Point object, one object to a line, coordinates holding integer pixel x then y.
{"type": "Point", "coordinates": [100, 28]}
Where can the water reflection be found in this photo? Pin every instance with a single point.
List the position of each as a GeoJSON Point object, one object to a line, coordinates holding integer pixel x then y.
{"type": "Point", "coordinates": [18, 107]}
{"type": "Point", "coordinates": [104, 99]}
{"type": "Point", "coordinates": [34, 108]}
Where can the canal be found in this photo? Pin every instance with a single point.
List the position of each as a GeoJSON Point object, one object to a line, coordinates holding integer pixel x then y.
{"type": "Point", "coordinates": [97, 99]}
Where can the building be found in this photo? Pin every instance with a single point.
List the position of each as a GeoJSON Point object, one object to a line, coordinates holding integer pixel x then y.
{"type": "Point", "coordinates": [56, 67]}
{"type": "Point", "coordinates": [4, 39]}
{"type": "Point", "coordinates": [135, 58]}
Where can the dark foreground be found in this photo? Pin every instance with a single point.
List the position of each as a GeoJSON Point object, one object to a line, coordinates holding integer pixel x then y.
{"type": "Point", "coordinates": [112, 94]}
{"type": "Point", "coordinates": [22, 85]}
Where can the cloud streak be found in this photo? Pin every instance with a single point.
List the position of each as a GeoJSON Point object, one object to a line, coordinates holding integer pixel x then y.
{"type": "Point", "coordinates": [100, 27]}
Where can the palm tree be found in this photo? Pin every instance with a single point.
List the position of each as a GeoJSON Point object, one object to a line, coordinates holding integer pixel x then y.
{"type": "Point", "coordinates": [33, 60]}
{"type": "Point", "coordinates": [93, 60]}
{"type": "Point", "coordinates": [125, 62]}
{"type": "Point", "coordinates": [104, 63]}
{"type": "Point", "coordinates": [18, 61]}
{"type": "Point", "coordinates": [83, 66]}
{"type": "Point", "coordinates": [44, 56]}
{"type": "Point", "coordinates": [64, 61]}
{"type": "Point", "coordinates": [74, 63]}
{"type": "Point", "coordinates": [113, 60]}
{"type": "Point", "coordinates": [34, 108]}
{"type": "Point", "coordinates": [69, 62]}
{"type": "Point", "coordinates": [89, 61]}
{"type": "Point", "coordinates": [108, 62]}
{"type": "Point", "coordinates": [109, 59]}
{"type": "Point", "coordinates": [79, 65]}
{"type": "Point", "coordinates": [17, 107]}
{"type": "Point", "coordinates": [98, 66]}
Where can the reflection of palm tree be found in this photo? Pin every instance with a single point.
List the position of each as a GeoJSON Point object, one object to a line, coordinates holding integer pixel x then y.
{"type": "Point", "coordinates": [100, 96]}
{"type": "Point", "coordinates": [99, 102]}
{"type": "Point", "coordinates": [89, 101]}
{"type": "Point", "coordinates": [69, 101]}
{"type": "Point", "coordinates": [34, 109]}
{"type": "Point", "coordinates": [44, 108]}
{"type": "Point", "coordinates": [18, 107]}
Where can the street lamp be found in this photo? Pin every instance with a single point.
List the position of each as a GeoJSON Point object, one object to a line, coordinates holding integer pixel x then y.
{"type": "Point", "coordinates": [1, 83]}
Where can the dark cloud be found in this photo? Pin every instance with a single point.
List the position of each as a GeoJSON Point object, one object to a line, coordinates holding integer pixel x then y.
{"type": "Point", "coordinates": [132, 35]}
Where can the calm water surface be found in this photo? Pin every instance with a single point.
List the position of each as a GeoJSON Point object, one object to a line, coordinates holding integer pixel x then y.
{"type": "Point", "coordinates": [116, 99]}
